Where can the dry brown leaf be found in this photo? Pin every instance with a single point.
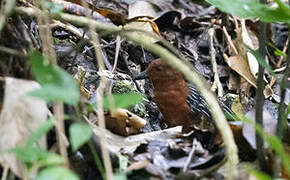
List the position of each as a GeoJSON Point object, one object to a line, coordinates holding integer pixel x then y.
{"type": "Point", "coordinates": [123, 122]}
{"type": "Point", "coordinates": [250, 40]}
{"type": "Point", "coordinates": [141, 15]}
{"type": "Point", "coordinates": [240, 65]}
{"type": "Point", "coordinates": [20, 116]}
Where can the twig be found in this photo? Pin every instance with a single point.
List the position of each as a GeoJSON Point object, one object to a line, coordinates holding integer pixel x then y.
{"type": "Point", "coordinates": [260, 99]}
{"type": "Point", "coordinates": [185, 68]}
{"type": "Point", "coordinates": [118, 45]}
{"type": "Point", "coordinates": [101, 90]}
{"type": "Point", "coordinates": [216, 84]}
{"type": "Point", "coordinates": [5, 172]}
{"type": "Point", "coordinates": [12, 52]}
{"type": "Point", "coordinates": [278, 65]}
{"type": "Point", "coordinates": [43, 18]}
{"type": "Point", "coordinates": [229, 39]}
{"type": "Point", "coordinates": [190, 155]}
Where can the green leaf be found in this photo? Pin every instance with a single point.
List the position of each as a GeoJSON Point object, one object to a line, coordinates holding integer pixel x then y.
{"type": "Point", "coordinates": [28, 154]}
{"type": "Point", "coordinates": [57, 84]}
{"type": "Point", "coordinates": [56, 173]}
{"type": "Point", "coordinates": [254, 9]}
{"type": "Point", "coordinates": [50, 159]}
{"type": "Point", "coordinates": [124, 100]}
{"type": "Point", "coordinates": [79, 134]}
{"type": "Point", "coordinates": [37, 155]}
{"type": "Point", "coordinates": [261, 60]}
{"type": "Point", "coordinates": [39, 132]}
{"type": "Point", "coordinates": [277, 51]}
{"type": "Point", "coordinates": [260, 175]}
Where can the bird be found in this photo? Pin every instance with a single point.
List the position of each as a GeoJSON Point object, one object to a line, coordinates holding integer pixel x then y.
{"type": "Point", "coordinates": [180, 102]}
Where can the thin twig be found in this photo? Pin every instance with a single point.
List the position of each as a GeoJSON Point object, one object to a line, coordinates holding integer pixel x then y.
{"type": "Point", "coordinates": [100, 93]}
{"type": "Point", "coordinates": [118, 46]}
{"type": "Point", "coordinates": [260, 98]}
{"type": "Point", "coordinates": [49, 54]}
{"type": "Point", "coordinates": [229, 39]}
{"type": "Point", "coordinates": [278, 65]}
{"type": "Point", "coordinates": [189, 158]}
{"type": "Point", "coordinates": [5, 172]}
{"type": "Point", "coordinates": [100, 111]}
{"type": "Point", "coordinates": [216, 84]}
{"type": "Point", "coordinates": [12, 52]}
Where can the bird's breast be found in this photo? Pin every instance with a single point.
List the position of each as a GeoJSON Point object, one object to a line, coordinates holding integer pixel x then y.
{"type": "Point", "coordinates": [174, 108]}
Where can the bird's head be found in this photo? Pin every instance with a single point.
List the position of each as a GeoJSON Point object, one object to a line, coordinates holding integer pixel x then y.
{"type": "Point", "coordinates": [160, 71]}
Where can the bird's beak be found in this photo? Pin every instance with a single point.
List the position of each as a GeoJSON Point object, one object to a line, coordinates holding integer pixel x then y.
{"type": "Point", "coordinates": [142, 75]}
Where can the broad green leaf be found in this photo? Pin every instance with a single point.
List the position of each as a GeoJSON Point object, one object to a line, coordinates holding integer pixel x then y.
{"type": "Point", "coordinates": [79, 134]}
{"type": "Point", "coordinates": [261, 60]}
{"type": "Point", "coordinates": [56, 84]}
{"type": "Point", "coordinates": [56, 173]}
{"type": "Point", "coordinates": [254, 9]}
{"type": "Point", "coordinates": [124, 100]}
{"type": "Point", "coordinates": [39, 132]}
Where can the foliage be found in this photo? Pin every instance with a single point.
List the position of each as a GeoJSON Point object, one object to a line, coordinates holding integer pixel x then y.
{"type": "Point", "coordinates": [56, 84]}
{"type": "Point", "coordinates": [79, 134]}
{"type": "Point", "coordinates": [56, 173]}
{"type": "Point", "coordinates": [124, 100]}
{"type": "Point", "coordinates": [254, 9]}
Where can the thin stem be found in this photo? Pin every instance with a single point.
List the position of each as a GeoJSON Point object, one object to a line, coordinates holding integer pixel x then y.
{"type": "Point", "coordinates": [49, 54]}
{"type": "Point", "coordinates": [100, 94]}
{"type": "Point", "coordinates": [260, 100]}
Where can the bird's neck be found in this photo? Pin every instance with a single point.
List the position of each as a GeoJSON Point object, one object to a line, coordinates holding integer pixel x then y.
{"type": "Point", "coordinates": [165, 85]}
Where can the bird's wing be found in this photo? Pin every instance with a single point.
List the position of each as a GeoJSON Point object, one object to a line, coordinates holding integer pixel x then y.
{"type": "Point", "coordinates": [198, 104]}
{"type": "Point", "coordinates": [196, 101]}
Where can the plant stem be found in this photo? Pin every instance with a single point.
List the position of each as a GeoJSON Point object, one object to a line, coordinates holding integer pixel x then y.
{"type": "Point", "coordinates": [260, 98]}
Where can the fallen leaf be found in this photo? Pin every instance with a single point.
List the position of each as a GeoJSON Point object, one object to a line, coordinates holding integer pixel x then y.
{"type": "Point", "coordinates": [240, 65]}
{"type": "Point", "coordinates": [127, 145]}
{"type": "Point", "coordinates": [251, 41]}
